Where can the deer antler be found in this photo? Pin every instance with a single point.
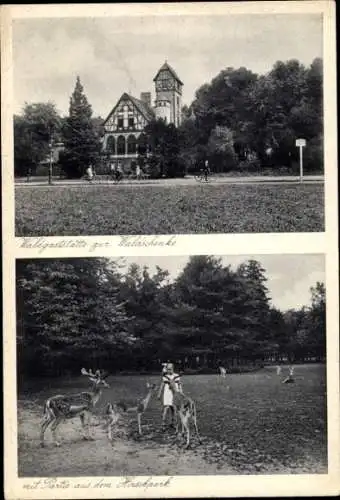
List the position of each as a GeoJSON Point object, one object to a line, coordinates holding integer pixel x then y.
{"type": "Point", "coordinates": [87, 373]}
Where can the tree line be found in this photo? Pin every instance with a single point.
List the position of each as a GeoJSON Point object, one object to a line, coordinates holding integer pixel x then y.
{"type": "Point", "coordinates": [239, 121]}
{"type": "Point", "coordinates": [87, 312]}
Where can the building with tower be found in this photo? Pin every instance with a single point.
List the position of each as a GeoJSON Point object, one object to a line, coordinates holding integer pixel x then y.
{"type": "Point", "coordinates": [123, 128]}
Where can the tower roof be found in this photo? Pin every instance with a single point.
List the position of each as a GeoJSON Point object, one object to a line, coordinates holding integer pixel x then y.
{"type": "Point", "coordinates": [167, 67]}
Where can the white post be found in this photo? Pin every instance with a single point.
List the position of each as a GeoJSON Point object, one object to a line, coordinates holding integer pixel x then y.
{"type": "Point", "coordinates": [301, 143]}
{"type": "Point", "coordinates": [50, 168]}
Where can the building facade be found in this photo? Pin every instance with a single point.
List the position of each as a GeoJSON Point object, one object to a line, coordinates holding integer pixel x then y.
{"type": "Point", "coordinates": [123, 128]}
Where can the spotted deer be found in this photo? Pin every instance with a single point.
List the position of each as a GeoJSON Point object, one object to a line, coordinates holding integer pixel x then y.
{"type": "Point", "coordinates": [115, 411]}
{"type": "Point", "coordinates": [185, 410]}
{"type": "Point", "coordinates": [64, 407]}
{"type": "Point", "coordinates": [290, 378]}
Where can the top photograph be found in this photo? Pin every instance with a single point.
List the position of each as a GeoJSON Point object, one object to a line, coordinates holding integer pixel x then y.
{"type": "Point", "coordinates": [148, 125]}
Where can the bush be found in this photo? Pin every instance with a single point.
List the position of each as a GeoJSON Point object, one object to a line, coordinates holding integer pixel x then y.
{"type": "Point", "coordinates": [313, 156]}
{"type": "Point", "coordinates": [152, 168]}
{"type": "Point", "coordinates": [175, 168]}
{"type": "Point", "coordinates": [250, 165]}
{"type": "Point", "coordinates": [222, 161]}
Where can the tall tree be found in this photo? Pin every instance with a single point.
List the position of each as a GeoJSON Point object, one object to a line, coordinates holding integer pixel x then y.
{"type": "Point", "coordinates": [317, 321]}
{"type": "Point", "coordinates": [143, 295]}
{"type": "Point", "coordinates": [164, 148]}
{"type": "Point", "coordinates": [69, 314]}
{"type": "Point", "coordinates": [220, 150]}
{"type": "Point", "coordinates": [37, 126]}
{"type": "Point", "coordinates": [81, 135]}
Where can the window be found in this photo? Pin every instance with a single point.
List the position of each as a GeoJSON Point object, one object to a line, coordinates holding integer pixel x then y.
{"type": "Point", "coordinates": [120, 122]}
{"type": "Point", "coordinates": [121, 145]}
{"type": "Point", "coordinates": [131, 144]}
{"type": "Point", "coordinates": [110, 144]}
{"type": "Point", "coordinates": [131, 122]}
{"type": "Point", "coordinates": [142, 144]}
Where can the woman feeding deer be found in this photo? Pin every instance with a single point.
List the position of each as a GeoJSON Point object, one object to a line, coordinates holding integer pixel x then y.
{"type": "Point", "coordinates": [169, 376]}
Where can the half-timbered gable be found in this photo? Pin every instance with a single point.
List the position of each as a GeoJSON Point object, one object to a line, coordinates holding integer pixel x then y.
{"type": "Point", "coordinates": [129, 115]}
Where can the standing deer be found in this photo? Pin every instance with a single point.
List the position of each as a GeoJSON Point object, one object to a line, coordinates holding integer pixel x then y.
{"type": "Point", "coordinates": [63, 407]}
{"type": "Point", "coordinates": [185, 409]}
{"type": "Point", "coordinates": [289, 379]}
{"type": "Point", "coordinates": [114, 411]}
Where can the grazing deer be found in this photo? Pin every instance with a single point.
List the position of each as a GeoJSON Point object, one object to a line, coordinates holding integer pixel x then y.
{"type": "Point", "coordinates": [114, 411]}
{"type": "Point", "coordinates": [223, 372]}
{"type": "Point", "coordinates": [63, 407]}
{"type": "Point", "coordinates": [289, 379]}
{"type": "Point", "coordinates": [185, 409]}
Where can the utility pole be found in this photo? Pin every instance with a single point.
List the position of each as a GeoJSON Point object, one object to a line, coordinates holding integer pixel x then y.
{"type": "Point", "coordinates": [50, 168]}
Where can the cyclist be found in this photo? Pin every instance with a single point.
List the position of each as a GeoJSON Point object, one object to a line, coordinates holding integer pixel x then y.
{"type": "Point", "coordinates": [89, 172]}
{"type": "Point", "coordinates": [206, 170]}
{"type": "Point", "coordinates": [119, 173]}
{"type": "Point", "coordinates": [112, 170]}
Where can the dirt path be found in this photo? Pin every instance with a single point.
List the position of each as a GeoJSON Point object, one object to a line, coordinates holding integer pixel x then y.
{"type": "Point", "coordinates": [125, 456]}
{"type": "Point", "coordinates": [187, 181]}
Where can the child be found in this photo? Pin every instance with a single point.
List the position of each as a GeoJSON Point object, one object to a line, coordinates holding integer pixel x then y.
{"type": "Point", "coordinates": [169, 375]}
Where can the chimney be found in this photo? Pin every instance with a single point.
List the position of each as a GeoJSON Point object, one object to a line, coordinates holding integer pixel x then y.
{"type": "Point", "coordinates": [146, 97]}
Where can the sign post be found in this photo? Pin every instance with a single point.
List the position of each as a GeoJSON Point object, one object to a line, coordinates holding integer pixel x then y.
{"type": "Point", "coordinates": [301, 143]}
{"type": "Point", "coordinates": [50, 167]}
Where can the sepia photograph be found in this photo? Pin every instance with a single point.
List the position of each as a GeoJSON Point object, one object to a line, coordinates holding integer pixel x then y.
{"type": "Point", "coordinates": [170, 250]}
{"type": "Point", "coordinates": [186, 365]}
{"type": "Point", "coordinates": [168, 124]}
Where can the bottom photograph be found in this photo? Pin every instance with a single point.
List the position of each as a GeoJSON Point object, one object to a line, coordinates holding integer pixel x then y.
{"type": "Point", "coordinates": [176, 365]}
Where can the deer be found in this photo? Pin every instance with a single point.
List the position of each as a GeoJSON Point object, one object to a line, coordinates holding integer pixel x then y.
{"type": "Point", "coordinates": [114, 411]}
{"type": "Point", "coordinates": [289, 379]}
{"type": "Point", "coordinates": [64, 407]}
{"type": "Point", "coordinates": [185, 409]}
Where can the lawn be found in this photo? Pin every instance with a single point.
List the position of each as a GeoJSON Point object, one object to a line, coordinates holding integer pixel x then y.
{"type": "Point", "coordinates": [249, 423]}
{"type": "Point", "coordinates": [173, 209]}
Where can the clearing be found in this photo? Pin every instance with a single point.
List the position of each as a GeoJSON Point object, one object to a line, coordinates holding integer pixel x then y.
{"type": "Point", "coordinates": [249, 423]}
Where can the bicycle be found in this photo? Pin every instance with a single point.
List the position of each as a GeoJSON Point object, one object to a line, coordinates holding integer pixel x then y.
{"type": "Point", "coordinates": [202, 176]}
{"type": "Point", "coordinates": [115, 177]}
{"type": "Point", "coordinates": [89, 179]}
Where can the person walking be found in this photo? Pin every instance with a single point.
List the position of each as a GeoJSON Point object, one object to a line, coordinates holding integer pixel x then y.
{"type": "Point", "coordinates": [206, 170]}
{"type": "Point", "coordinates": [138, 172]}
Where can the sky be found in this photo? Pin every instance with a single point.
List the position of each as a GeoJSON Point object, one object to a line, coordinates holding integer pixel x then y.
{"type": "Point", "coordinates": [119, 54]}
{"type": "Point", "coordinates": [289, 276]}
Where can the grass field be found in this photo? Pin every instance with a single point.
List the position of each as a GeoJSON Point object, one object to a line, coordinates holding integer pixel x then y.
{"type": "Point", "coordinates": [213, 208]}
{"type": "Point", "coordinates": [250, 424]}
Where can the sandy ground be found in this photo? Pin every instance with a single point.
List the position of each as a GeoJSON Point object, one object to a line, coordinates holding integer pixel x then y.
{"type": "Point", "coordinates": [76, 457]}
{"type": "Point", "coordinates": [155, 453]}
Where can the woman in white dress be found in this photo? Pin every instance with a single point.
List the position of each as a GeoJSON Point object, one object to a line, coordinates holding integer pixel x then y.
{"type": "Point", "coordinates": [167, 376]}
{"type": "Point", "coordinates": [138, 172]}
